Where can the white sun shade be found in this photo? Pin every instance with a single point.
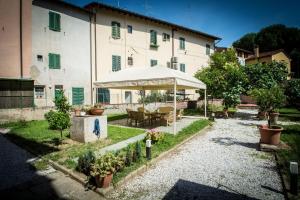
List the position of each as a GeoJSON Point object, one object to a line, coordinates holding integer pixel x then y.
{"type": "Point", "coordinates": [149, 78]}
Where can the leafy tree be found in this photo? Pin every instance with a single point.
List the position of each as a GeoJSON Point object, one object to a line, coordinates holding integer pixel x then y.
{"type": "Point", "coordinates": [60, 119]}
{"type": "Point", "coordinates": [61, 103]}
{"type": "Point", "coordinates": [262, 75]}
{"type": "Point", "coordinates": [272, 38]}
{"type": "Point", "coordinates": [269, 100]}
{"type": "Point", "coordinates": [292, 91]}
{"type": "Point", "coordinates": [246, 42]}
{"type": "Point", "coordinates": [224, 77]}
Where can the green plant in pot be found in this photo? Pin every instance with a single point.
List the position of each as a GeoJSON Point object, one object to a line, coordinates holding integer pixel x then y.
{"type": "Point", "coordinates": [97, 109]}
{"type": "Point", "coordinates": [269, 101]}
{"type": "Point", "coordinates": [102, 170]}
{"type": "Point", "coordinates": [231, 99]}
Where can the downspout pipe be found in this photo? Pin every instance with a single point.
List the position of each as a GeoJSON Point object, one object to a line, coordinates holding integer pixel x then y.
{"type": "Point", "coordinates": [91, 61]}
{"type": "Point", "coordinates": [21, 40]}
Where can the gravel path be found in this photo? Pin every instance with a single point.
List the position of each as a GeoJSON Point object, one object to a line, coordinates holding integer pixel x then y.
{"type": "Point", "coordinates": [222, 164]}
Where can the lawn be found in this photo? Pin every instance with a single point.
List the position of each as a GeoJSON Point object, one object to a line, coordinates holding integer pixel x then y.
{"type": "Point", "coordinates": [289, 114]}
{"type": "Point", "coordinates": [37, 138]}
{"type": "Point", "coordinates": [167, 143]}
{"type": "Point", "coordinates": [291, 136]}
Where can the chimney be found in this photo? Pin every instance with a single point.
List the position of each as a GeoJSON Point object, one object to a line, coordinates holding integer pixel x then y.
{"type": "Point", "coordinates": [256, 51]}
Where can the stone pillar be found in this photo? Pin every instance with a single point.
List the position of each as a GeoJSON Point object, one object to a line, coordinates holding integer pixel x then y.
{"type": "Point", "coordinates": [83, 128]}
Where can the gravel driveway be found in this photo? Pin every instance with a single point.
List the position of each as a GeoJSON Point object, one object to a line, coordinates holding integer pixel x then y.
{"type": "Point", "coordinates": [222, 164]}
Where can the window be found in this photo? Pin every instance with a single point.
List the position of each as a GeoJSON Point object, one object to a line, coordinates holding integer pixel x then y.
{"type": "Point", "coordinates": [182, 67]}
{"type": "Point", "coordinates": [39, 91]}
{"type": "Point", "coordinates": [129, 29]}
{"type": "Point", "coordinates": [166, 37]}
{"type": "Point", "coordinates": [169, 64]}
{"type": "Point", "coordinates": [54, 21]}
{"type": "Point", "coordinates": [115, 30]}
{"type": "Point", "coordinates": [130, 61]}
{"type": "Point", "coordinates": [40, 58]}
{"type": "Point", "coordinates": [58, 91]}
{"type": "Point", "coordinates": [54, 61]}
{"type": "Point", "coordinates": [103, 95]}
{"type": "Point", "coordinates": [116, 63]}
{"type": "Point", "coordinates": [153, 63]}
{"type": "Point", "coordinates": [153, 39]}
{"type": "Point", "coordinates": [128, 97]}
{"type": "Point", "coordinates": [181, 43]}
{"type": "Point", "coordinates": [77, 96]}
{"type": "Point", "coordinates": [207, 49]}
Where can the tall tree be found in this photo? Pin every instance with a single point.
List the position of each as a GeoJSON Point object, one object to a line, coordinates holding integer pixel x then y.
{"type": "Point", "coordinates": [246, 42]}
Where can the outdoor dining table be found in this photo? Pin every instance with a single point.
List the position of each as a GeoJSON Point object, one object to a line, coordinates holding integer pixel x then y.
{"type": "Point", "coordinates": [154, 115]}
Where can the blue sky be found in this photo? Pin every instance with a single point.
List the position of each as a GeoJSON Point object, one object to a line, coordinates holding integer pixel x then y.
{"type": "Point", "coordinates": [228, 19]}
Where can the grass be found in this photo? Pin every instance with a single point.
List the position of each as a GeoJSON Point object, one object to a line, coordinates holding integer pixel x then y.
{"type": "Point", "coordinates": [289, 114]}
{"type": "Point", "coordinates": [113, 117]}
{"type": "Point", "coordinates": [210, 108]}
{"type": "Point", "coordinates": [167, 143]}
{"type": "Point", "coordinates": [37, 138]}
{"type": "Point", "coordinates": [291, 136]}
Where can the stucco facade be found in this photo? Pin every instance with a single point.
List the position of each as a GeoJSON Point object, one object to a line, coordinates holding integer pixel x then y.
{"type": "Point", "coordinates": [15, 39]}
{"type": "Point", "coordinates": [278, 56]}
{"type": "Point", "coordinates": [72, 43]}
{"type": "Point", "coordinates": [137, 46]}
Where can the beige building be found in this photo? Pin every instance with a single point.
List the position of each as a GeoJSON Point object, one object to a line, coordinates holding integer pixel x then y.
{"type": "Point", "coordinates": [267, 57]}
{"type": "Point", "coordinates": [125, 39]}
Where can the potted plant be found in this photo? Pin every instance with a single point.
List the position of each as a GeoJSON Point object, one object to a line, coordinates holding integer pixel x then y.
{"type": "Point", "coordinates": [103, 170]}
{"type": "Point", "coordinates": [97, 109]}
{"type": "Point", "coordinates": [77, 110]}
{"type": "Point", "coordinates": [231, 99]}
{"type": "Point", "coordinates": [269, 101]}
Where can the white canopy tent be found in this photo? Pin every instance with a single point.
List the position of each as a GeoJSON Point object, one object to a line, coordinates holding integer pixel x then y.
{"type": "Point", "coordinates": [152, 78]}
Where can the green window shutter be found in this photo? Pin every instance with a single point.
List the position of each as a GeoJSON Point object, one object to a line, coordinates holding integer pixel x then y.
{"type": "Point", "coordinates": [57, 22]}
{"type": "Point", "coordinates": [54, 21]}
{"type": "Point", "coordinates": [51, 60]}
{"type": "Point", "coordinates": [116, 63]}
{"type": "Point", "coordinates": [182, 67]}
{"type": "Point", "coordinates": [153, 37]}
{"type": "Point", "coordinates": [153, 63]}
{"type": "Point", "coordinates": [103, 95]}
{"type": "Point", "coordinates": [115, 30]}
{"type": "Point", "coordinates": [181, 43]}
{"type": "Point", "coordinates": [51, 20]}
{"type": "Point", "coordinates": [77, 96]}
{"type": "Point", "coordinates": [54, 61]}
{"type": "Point", "coordinates": [57, 61]}
{"type": "Point", "coordinates": [207, 49]}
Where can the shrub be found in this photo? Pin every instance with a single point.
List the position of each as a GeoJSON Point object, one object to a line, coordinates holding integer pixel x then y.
{"type": "Point", "coordinates": [292, 91]}
{"type": "Point", "coordinates": [128, 159]}
{"type": "Point", "coordinates": [154, 136]}
{"type": "Point", "coordinates": [104, 165]}
{"type": "Point", "coordinates": [61, 103]}
{"type": "Point", "coordinates": [85, 162]}
{"type": "Point", "coordinates": [138, 150]}
{"type": "Point", "coordinates": [269, 100]}
{"type": "Point", "coordinates": [58, 120]}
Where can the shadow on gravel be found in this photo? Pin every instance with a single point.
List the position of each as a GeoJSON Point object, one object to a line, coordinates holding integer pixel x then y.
{"type": "Point", "coordinates": [245, 115]}
{"type": "Point", "coordinates": [228, 141]}
{"type": "Point", "coordinates": [256, 123]}
{"type": "Point", "coordinates": [189, 190]}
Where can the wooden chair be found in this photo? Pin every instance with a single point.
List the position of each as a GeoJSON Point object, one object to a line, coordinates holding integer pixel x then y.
{"type": "Point", "coordinates": [129, 115]}
{"type": "Point", "coordinates": [167, 119]}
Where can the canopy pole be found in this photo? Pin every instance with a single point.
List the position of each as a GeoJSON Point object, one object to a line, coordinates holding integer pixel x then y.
{"type": "Point", "coordinates": [143, 97]}
{"type": "Point", "coordinates": [174, 112]}
{"type": "Point", "coordinates": [205, 114]}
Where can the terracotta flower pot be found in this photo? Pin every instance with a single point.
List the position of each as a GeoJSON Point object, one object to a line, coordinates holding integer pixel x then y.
{"type": "Point", "coordinates": [77, 112]}
{"type": "Point", "coordinates": [274, 117]}
{"type": "Point", "coordinates": [104, 182]}
{"type": "Point", "coordinates": [96, 111]}
{"type": "Point", "coordinates": [270, 135]}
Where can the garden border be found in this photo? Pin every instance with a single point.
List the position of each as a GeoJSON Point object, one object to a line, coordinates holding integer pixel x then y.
{"type": "Point", "coordinates": [77, 177]}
